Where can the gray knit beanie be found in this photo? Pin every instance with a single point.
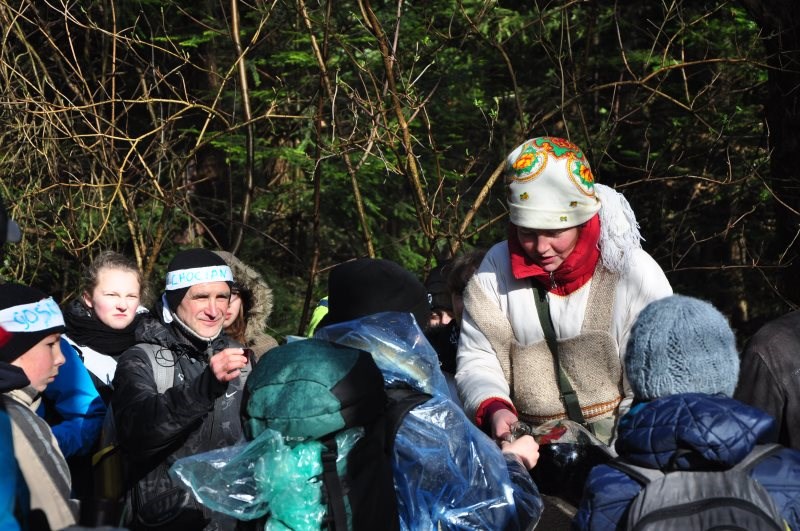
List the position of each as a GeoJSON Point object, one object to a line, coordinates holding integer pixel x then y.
{"type": "Point", "coordinates": [680, 344]}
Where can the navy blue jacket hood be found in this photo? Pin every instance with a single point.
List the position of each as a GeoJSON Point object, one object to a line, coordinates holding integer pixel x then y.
{"type": "Point", "coordinates": [709, 432]}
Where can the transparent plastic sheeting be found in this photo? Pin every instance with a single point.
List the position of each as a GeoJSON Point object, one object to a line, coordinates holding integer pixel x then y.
{"type": "Point", "coordinates": [247, 481]}
{"type": "Point", "coordinates": [397, 345]}
{"type": "Point", "coordinates": [447, 473]}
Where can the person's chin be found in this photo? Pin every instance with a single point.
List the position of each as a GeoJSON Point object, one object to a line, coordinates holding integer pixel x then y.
{"type": "Point", "coordinates": [549, 265]}
{"type": "Point", "coordinates": [211, 329]}
{"type": "Point", "coordinates": [43, 385]}
{"type": "Point", "coordinates": [120, 323]}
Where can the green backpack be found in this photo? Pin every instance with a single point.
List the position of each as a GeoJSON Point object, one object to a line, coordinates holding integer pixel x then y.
{"type": "Point", "coordinates": [314, 390]}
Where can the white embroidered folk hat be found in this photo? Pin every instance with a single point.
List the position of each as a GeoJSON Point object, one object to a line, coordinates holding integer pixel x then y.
{"type": "Point", "coordinates": [550, 185]}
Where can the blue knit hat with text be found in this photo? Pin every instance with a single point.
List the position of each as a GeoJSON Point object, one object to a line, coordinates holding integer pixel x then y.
{"type": "Point", "coordinates": [680, 344]}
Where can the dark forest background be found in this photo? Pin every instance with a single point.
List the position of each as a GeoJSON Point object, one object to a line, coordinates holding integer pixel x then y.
{"type": "Point", "coordinates": [300, 134]}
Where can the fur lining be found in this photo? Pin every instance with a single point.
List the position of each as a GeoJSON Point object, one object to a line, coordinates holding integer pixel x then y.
{"type": "Point", "coordinates": [257, 337]}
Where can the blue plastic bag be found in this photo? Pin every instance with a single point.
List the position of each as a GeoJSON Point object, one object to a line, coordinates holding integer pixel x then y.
{"type": "Point", "coordinates": [447, 473]}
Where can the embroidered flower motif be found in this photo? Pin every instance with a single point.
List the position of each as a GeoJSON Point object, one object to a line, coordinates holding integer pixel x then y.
{"type": "Point", "coordinates": [524, 161]}
{"type": "Point", "coordinates": [524, 196]}
{"type": "Point", "coordinates": [582, 176]}
{"type": "Point", "coordinates": [529, 164]}
{"type": "Point", "coordinates": [586, 175]}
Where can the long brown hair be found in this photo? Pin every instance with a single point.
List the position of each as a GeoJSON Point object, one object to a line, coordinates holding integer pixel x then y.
{"type": "Point", "coordinates": [238, 328]}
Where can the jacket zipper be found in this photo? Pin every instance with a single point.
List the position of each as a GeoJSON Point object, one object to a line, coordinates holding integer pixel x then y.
{"type": "Point", "coordinates": [209, 353]}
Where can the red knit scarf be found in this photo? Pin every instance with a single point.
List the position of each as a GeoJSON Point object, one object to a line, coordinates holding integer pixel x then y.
{"type": "Point", "coordinates": [573, 273]}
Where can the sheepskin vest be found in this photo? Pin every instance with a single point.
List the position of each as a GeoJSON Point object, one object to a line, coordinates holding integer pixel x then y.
{"type": "Point", "coordinates": [590, 360]}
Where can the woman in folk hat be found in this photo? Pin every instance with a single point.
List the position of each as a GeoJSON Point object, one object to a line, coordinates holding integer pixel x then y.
{"type": "Point", "coordinates": [575, 246]}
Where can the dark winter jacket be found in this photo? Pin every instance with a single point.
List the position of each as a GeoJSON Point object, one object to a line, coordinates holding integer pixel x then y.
{"type": "Point", "coordinates": [770, 375]}
{"type": "Point", "coordinates": [196, 415]}
{"type": "Point", "coordinates": [718, 431]}
{"type": "Point", "coordinates": [444, 340]}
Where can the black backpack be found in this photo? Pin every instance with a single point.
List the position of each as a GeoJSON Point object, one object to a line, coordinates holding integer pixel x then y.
{"type": "Point", "coordinates": [317, 390]}
{"type": "Point", "coordinates": [702, 500]}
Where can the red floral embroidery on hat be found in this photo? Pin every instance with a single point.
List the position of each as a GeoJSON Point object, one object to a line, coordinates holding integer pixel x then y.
{"type": "Point", "coordinates": [559, 147]}
{"type": "Point", "coordinates": [586, 174]}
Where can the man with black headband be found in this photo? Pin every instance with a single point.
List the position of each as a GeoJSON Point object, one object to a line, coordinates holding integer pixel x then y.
{"type": "Point", "coordinates": [199, 411]}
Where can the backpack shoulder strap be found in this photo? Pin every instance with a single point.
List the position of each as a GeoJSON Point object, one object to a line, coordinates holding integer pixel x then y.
{"type": "Point", "coordinates": [401, 401]}
{"type": "Point", "coordinates": [641, 474]}
{"type": "Point", "coordinates": [568, 395]}
{"type": "Point", "coordinates": [758, 453]}
{"type": "Point", "coordinates": [645, 475]}
{"type": "Point", "coordinates": [333, 485]}
{"type": "Point", "coordinates": [164, 370]}
{"type": "Point", "coordinates": [163, 361]}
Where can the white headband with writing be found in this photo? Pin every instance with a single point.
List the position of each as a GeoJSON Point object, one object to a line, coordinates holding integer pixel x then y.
{"type": "Point", "coordinates": [32, 317]}
{"type": "Point", "coordinates": [184, 278]}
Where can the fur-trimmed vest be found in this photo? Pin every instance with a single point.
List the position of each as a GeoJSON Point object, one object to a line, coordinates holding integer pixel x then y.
{"type": "Point", "coordinates": [590, 360]}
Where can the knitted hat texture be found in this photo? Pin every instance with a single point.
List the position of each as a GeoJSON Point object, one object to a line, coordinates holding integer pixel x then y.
{"type": "Point", "coordinates": [680, 344]}
{"type": "Point", "coordinates": [550, 185]}
{"type": "Point", "coordinates": [27, 325]}
{"type": "Point", "coordinates": [373, 285]}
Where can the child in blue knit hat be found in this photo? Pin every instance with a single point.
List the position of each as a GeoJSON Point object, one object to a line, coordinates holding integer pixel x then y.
{"type": "Point", "coordinates": [683, 366]}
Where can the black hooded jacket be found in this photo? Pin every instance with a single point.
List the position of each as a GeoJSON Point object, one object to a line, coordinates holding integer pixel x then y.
{"type": "Point", "coordinates": [197, 414]}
